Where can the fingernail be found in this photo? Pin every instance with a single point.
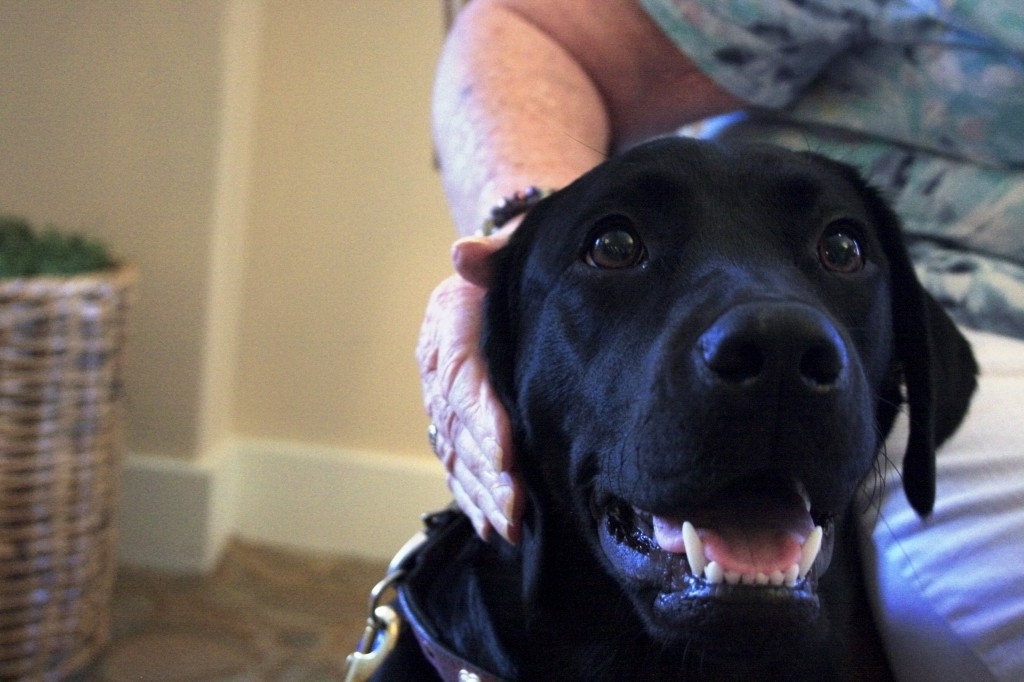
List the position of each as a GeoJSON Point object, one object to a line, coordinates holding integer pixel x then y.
{"type": "Point", "coordinates": [462, 251]}
{"type": "Point", "coordinates": [503, 494]}
{"type": "Point", "coordinates": [459, 243]}
{"type": "Point", "coordinates": [495, 454]}
{"type": "Point", "coordinates": [501, 525]}
{"type": "Point", "coordinates": [479, 521]}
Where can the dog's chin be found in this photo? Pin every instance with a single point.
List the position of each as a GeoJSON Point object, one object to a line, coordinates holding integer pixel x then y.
{"type": "Point", "coordinates": [703, 579]}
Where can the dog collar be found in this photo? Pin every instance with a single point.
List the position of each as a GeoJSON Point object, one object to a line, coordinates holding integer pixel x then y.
{"type": "Point", "coordinates": [450, 667]}
{"type": "Point", "coordinates": [442, 530]}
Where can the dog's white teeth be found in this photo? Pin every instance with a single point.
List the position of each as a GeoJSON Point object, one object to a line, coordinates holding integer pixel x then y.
{"type": "Point", "coordinates": [694, 549]}
{"type": "Point", "coordinates": [714, 573]}
{"type": "Point", "coordinates": [790, 576]}
{"type": "Point", "coordinates": [809, 552]}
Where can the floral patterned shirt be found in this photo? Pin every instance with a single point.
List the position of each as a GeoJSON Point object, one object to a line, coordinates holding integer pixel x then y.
{"type": "Point", "coordinates": [925, 96]}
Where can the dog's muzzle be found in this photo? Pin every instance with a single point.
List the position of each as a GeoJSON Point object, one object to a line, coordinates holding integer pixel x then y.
{"type": "Point", "coordinates": [755, 546]}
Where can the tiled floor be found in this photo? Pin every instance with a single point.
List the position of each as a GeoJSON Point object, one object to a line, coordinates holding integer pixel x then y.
{"type": "Point", "coordinates": [265, 614]}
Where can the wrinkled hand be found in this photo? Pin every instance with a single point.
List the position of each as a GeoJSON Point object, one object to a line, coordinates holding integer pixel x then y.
{"type": "Point", "coordinates": [473, 437]}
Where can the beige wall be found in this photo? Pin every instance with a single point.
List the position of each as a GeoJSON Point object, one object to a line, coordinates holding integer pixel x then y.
{"type": "Point", "coordinates": [345, 198]}
{"type": "Point", "coordinates": [267, 165]}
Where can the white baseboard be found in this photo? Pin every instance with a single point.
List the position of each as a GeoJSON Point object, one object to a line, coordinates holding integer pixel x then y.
{"type": "Point", "coordinates": [176, 515]}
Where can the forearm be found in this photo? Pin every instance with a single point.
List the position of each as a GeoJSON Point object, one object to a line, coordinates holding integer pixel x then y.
{"type": "Point", "coordinates": [511, 109]}
{"type": "Point", "coordinates": [535, 92]}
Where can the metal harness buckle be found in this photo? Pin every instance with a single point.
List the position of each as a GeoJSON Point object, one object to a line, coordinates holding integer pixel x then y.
{"type": "Point", "coordinates": [379, 636]}
{"type": "Point", "coordinates": [383, 623]}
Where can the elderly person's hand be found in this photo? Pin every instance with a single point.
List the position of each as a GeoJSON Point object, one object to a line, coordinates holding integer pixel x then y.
{"type": "Point", "coordinates": [469, 429]}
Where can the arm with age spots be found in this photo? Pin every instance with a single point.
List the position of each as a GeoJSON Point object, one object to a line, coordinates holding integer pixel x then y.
{"type": "Point", "coordinates": [528, 92]}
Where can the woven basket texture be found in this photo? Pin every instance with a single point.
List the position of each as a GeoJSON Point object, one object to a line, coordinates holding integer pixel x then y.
{"type": "Point", "coordinates": [61, 342]}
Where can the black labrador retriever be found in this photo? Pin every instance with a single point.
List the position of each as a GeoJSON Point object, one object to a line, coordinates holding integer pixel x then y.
{"type": "Point", "coordinates": [702, 348]}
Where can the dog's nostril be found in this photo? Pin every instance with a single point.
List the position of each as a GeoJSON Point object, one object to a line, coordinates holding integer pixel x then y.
{"type": "Point", "coordinates": [821, 365]}
{"type": "Point", "coordinates": [734, 361]}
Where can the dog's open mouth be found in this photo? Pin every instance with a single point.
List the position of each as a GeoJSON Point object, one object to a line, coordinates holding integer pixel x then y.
{"type": "Point", "coordinates": [754, 541]}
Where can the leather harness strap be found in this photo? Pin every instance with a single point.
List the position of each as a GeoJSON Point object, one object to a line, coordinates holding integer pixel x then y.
{"type": "Point", "coordinates": [440, 529]}
{"type": "Point", "coordinates": [449, 666]}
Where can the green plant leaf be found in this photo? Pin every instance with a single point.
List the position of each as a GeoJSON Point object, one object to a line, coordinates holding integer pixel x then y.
{"type": "Point", "coordinates": [25, 253]}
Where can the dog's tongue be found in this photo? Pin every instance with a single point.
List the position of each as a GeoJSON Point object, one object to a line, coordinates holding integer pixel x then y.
{"type": "Point", "coordinates": [748, 532]}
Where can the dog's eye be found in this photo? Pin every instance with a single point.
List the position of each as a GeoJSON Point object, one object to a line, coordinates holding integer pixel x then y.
{"type": "Point", "coordinates": [615, 245]}
{"type": "Point", "coordinates": [839, 251]}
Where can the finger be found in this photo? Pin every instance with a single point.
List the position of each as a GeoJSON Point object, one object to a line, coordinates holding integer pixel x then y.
{"type": "Point", "coordinates": [453, 373]}
{"type": "Point", "coordinates": [477, 461]}
{"type": "Point", "coordinates": [484, 488]}
{"type": "Point", "coordinates": [471, 255]}
{"type": "Point", "coordinates": [481, 492]}
{"type": "Point", "coordinates": [495, 493]}
{"type": "Point", "coordinates": [465, 502]}
{"type": "Point", "coordinates": [459, 389]}
{"type": "Point", "coordinates": [431, 335]}
{"type": "Point", "coordinates": [450, 327]}
{"type": "Point", "coordinates": [475, 419]}
{"type": "Point", "coordinates": [515, 506]}
{"type": "Point", "coordinates": [481, 501]}
{"type": "Point", "coordinates": [508, 498]}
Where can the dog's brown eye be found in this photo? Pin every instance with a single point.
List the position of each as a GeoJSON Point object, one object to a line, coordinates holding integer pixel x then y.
{"type": "Point", "coordinates": [616, 247]}
{"type": "Point", "coordinates": [840, 251]}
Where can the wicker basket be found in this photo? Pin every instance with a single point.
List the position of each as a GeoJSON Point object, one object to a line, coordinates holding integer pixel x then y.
{"type": "Point", "coordinates": [61, 341]}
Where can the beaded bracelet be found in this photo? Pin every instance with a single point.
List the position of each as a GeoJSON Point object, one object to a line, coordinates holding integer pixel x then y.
{"type": "Point", "coordinates": [512, 206]}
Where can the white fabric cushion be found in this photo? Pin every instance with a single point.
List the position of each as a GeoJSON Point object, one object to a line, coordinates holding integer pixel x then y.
{"type": "Point", "coordinates": [948, 591]}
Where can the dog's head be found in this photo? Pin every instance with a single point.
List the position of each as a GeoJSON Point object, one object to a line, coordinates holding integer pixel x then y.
{"type": "Point", "coordinates": [702, 348]}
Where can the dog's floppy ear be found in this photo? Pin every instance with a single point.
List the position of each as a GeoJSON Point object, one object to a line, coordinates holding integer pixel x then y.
{"type": "Point", "coordinates": [499, 343]}
{"type": "Point", "coordinates": [501, 337]}
{"type": "Point", "coordinates": [505, 298]}
{"type": "Point", "coordinates": [500, 332]}
{"type": "Point", "coordinates": [938, 366]}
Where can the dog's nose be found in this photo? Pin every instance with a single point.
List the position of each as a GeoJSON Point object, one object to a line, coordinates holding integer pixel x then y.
{"type": "Point", "coordinates": [782, 343]}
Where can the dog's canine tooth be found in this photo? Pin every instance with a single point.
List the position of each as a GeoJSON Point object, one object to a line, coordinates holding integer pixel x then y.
{"type": "Point", "coordinates": [809, 552]}
{"type": "Point", "coordinates": [713, 573]}
{"type": "Point", "coordinates": [694, 549]}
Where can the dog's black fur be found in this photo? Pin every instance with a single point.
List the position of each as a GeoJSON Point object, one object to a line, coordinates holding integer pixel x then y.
{"type": "Point", "coordinates": [721, 342]}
